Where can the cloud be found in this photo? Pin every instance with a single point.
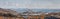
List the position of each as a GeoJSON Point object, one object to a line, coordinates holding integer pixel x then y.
{"type": "Point", "coordinates": [17, 4]}
{"type": "Point", "coordinates": [51, 4]}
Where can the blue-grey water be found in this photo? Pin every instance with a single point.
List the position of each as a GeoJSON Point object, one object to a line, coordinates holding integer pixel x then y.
{"type": "Point", "coordinates": [39, 10]}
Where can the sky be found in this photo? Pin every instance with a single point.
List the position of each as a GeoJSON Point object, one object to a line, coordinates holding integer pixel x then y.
{"type": "Point", "coordinates": [41, 4]}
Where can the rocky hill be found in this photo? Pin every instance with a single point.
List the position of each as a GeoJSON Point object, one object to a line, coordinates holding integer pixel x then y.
{"type": "Point", "coordinates": [8, 11]}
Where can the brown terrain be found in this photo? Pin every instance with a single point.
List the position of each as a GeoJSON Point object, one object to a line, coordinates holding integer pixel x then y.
{"type": "Point", "coordinates": [9, 14]}
{"type": "Point", "coordinates": [7, 11]}
{"type": "Point", "coordinates": [18, 15]}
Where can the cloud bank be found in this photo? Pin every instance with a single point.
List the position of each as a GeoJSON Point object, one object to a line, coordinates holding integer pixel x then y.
{"type": "Point", "coordinates": [42, 4]}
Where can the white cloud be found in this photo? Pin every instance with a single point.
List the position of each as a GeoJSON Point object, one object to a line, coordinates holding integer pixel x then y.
{"type": "Point", "coordinates": [17, 4]}
{"type": "Point", "coordinates": [52, 4]}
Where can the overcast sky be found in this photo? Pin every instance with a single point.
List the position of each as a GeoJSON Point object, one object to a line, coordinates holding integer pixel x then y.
{"type": "Point", "coordinates": [46, 4]}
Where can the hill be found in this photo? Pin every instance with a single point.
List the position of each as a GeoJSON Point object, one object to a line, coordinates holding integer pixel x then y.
{"type": "Point", "coordinates": [8, 11]}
